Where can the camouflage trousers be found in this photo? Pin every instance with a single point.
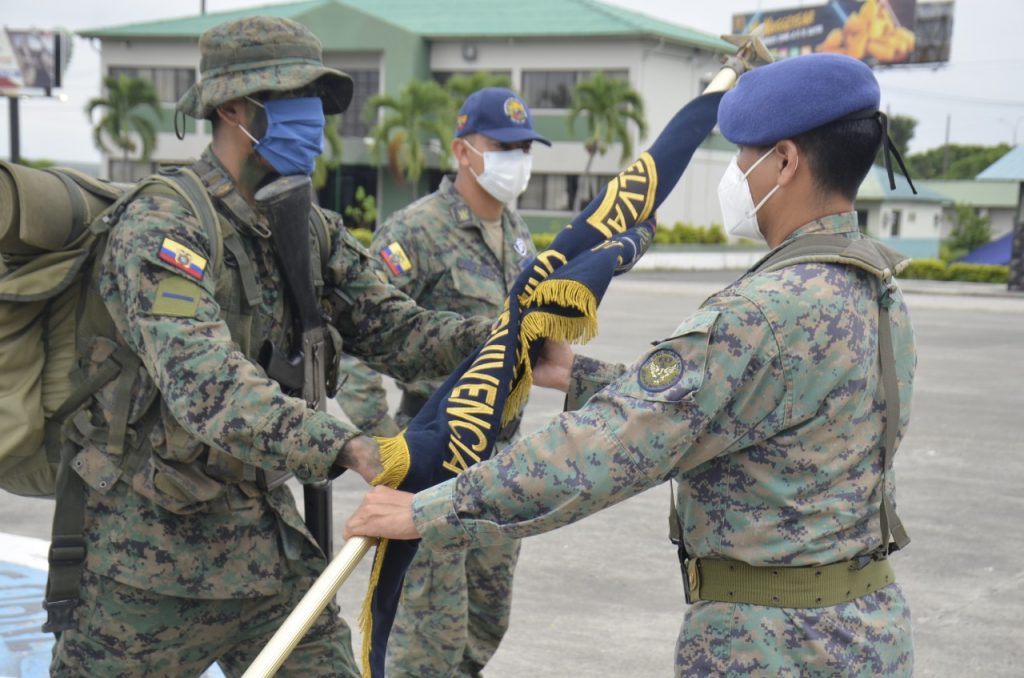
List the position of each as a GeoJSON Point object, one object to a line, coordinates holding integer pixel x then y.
{"type": "Point", "coordinates": [453, 613]}
{"type": "Point", "coordinates": [868, 636]}
{"type": "Point", "coordinates": [125, 632]}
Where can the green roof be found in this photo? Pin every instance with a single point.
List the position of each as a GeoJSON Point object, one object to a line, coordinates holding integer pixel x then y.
{"type": "Point", "coordinates": [992, 194]}
{"type": "Point", "coordinates": [875, 187]}
{"type": "Point", "coordinates": [194, 26]}
{"type": "Point", "coordinates": [455, 19]}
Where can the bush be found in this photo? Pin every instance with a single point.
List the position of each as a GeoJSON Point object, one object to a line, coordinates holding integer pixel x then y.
{"type": "Point", "coordinates": [681, 233]}
{"type": "Point", "coordinates": [542, 241]}
{"type": "Point", "coordinates": [925, 269]}
{"type": "Point", "coordinates": [934, 269]}
{"type": "Point", "coordinates": [363, 235]}
{"type": "Point", "coordinates": [978, 273]}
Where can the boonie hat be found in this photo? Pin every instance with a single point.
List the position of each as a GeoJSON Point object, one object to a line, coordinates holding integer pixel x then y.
{"type": "Point", "coordinates": [258, 54]}
{"type": "Point", "coordinates": [497, 113]}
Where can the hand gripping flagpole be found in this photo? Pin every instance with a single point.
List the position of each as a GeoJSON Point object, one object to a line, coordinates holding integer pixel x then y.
{"type": "Point", "coordinates": [751, 53]}
{"type": "Point", "coordinates": [270, 658]}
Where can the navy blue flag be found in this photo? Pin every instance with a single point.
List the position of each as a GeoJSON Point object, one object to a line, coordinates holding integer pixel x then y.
{"type": "Point", "coordinates": [556, 297]}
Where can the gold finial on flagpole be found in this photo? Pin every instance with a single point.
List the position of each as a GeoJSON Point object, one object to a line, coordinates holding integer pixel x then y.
{"type": "Point", "coordinates": [751, 53]}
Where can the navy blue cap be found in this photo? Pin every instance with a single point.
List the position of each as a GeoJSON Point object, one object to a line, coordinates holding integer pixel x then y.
{"type": "Point", "coordinates": [789, 97]}
{"type": "Point", "coordinates": [497, 113]}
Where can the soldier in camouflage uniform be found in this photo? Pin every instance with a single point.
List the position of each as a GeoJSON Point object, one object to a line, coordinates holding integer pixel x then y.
{"type": "Point", "coordinates": [193, 554]}
{"type": "Point", "coordinates": [768, 406]}
{"type": "Point", "coordinates": [460, 249]}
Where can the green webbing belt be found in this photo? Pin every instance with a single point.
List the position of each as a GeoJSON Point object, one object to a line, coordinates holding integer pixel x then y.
{"type": "Point", "coordinates": [730, 581]}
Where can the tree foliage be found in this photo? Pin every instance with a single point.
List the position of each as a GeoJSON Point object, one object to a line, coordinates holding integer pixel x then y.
{"type": "Point", "coordinates": [331, 158]}
{"type": "Point", "coordinates": [970, 231]}
{"type": "Point", "coordinates": [127, 112]}
{"type": "Point", "coordinates": [965, 161]}
{"type": "Point", "coordinates": [607, 105]}
{"type": "Point", "coordinates": [405, 125]}
{"type": "Point", "coordinates": [462, 85]}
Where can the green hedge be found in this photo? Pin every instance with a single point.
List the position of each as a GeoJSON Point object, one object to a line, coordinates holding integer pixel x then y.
{"type": "Point", "coordinates": [681, 233]}
{"type": "Point", "coordinates": [936, 269]}
{"type": "Point", "coordinates": [542, 241]}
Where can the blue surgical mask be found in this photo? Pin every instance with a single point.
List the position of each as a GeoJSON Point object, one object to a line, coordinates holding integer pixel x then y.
{"type": "Point", "coordinates": [295, 134]}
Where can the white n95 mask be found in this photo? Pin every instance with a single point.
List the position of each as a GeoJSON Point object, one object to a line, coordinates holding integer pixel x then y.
{"type": "Point", "coordinates": [739, 212]}
{"type": "Point", "coordinates": [506, 173]}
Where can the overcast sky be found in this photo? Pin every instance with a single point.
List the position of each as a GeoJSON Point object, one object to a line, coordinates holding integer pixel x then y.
{"type": "Point", "coordinates": [981, 89]}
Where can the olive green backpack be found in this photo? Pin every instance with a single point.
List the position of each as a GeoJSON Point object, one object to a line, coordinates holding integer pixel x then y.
{"type": "Point", "coordinates": [53, 225]}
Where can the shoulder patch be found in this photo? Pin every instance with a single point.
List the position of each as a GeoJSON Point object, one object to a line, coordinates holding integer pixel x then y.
{"type": "Point", "coordinates": [396, 259]}
{"type": "Point", "coordinates": [177, 297]}
{"type": "Point", "coordinates": [182, 258]}
{"type": "Point", "coordinates": [660, 371]}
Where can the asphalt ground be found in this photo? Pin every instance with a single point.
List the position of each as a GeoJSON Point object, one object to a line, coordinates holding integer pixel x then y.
{"type": "Point", "coordinates": [603, 597]}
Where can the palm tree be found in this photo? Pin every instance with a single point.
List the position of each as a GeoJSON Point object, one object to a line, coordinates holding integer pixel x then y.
{"type": "Point", "coordinates": [420, 116]}
{"type": "Point", "coordinates": [608, 105]}
{"type": "Point", "coordinates": [462, 85]}
{"type": "Point", "coordinates": [127, 105]}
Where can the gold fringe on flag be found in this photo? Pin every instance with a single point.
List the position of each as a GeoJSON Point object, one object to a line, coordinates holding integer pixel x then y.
{"type": "Point", "coordinates": [394, 457]}
{"type": "Point", "coordinates": [366, 615]}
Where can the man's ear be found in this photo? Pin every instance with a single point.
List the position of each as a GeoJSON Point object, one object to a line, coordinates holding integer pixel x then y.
{"type": "Point", "coordinates": [234, 112]}
{"type": "Point", "coordinates": [789, 157]}
{"type": "Point", "coordinates": [459, 151]}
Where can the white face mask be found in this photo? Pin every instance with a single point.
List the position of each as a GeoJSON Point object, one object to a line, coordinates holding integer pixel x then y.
{"type": "Point", "coordinates": [506, 173]}
{"type": "Point", "coordinates": [738, 210]}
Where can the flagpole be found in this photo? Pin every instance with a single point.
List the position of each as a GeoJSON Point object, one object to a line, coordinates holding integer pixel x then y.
{"type": "Point", "coordinates": [274, 654]}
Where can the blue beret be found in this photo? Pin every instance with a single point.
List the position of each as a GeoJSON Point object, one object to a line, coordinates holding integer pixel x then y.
{"type": "Point", "coordinates": [789, 97]}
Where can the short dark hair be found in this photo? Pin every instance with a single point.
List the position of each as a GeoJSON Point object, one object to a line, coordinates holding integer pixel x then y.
{"type": "Point", "coordinates": [841, 153]}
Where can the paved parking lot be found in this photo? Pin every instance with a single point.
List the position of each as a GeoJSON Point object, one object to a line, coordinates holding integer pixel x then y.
{"type": "Point", "coordinates": [603, 597]}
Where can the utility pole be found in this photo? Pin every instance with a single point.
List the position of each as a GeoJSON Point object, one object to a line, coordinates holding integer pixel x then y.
{"type": "Point", "coordinates": [12, 107]}
{"type": "Point", "coordinates": [202, 7]}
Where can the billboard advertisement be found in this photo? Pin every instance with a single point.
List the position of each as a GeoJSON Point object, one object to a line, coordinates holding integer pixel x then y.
{"type": "Point", "coordinates": [879, 32]}
{"type": "Point", "coordinates": [31, 60]}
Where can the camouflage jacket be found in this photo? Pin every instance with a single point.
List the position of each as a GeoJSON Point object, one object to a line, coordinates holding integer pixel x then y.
{"type": "Point", "coordinates": [766, 406]}
{"type": "Point", "coordinates": [190, 521]}
{"type": "Point", "coordinates": [434, 251]}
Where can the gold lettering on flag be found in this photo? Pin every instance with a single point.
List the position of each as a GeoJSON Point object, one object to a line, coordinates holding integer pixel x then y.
{"type": "Point", "coordinates": [628, 198]}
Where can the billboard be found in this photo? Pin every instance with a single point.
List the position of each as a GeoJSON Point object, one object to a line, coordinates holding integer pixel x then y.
{"type": "Point", "coordinates": [879, 32]}
{"type": "Point", "coordinates": [31, 60]}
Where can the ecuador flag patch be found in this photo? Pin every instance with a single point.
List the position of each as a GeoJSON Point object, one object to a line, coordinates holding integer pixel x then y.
{"type": "Point", "coordinates": [181, 257]}
{"type": "Point", "coordinates": [396, 259]}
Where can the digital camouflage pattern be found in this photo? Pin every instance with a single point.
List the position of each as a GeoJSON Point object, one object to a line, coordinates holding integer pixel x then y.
{"type": "Point", "coordinates": [191, 522]}
{"type": "Point", "coordinates": [137, 633]}
{"type": "Point", "coordinates": [772, 425]}
{"type": "Point", "coordinates": [258, 54]}
{"type": "Point", "coordinates": [362, 398]}
{"type": "Point", "coordinates": [455, 607]}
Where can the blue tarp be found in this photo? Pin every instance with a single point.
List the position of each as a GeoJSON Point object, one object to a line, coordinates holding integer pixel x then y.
{"type": "Point", "coordinates": [995, 252]}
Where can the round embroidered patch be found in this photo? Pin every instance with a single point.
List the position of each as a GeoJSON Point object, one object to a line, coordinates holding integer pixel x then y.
{"type": "Point", "coordinates": [661, 370]}
{"type": "Point", "coordinates": [515, 111]}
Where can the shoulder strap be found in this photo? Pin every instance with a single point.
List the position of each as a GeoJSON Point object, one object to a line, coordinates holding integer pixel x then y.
{"type": "Point", "coordinates": [318, 222]}
{"type": "Point", "coordinates": [187, 184]}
